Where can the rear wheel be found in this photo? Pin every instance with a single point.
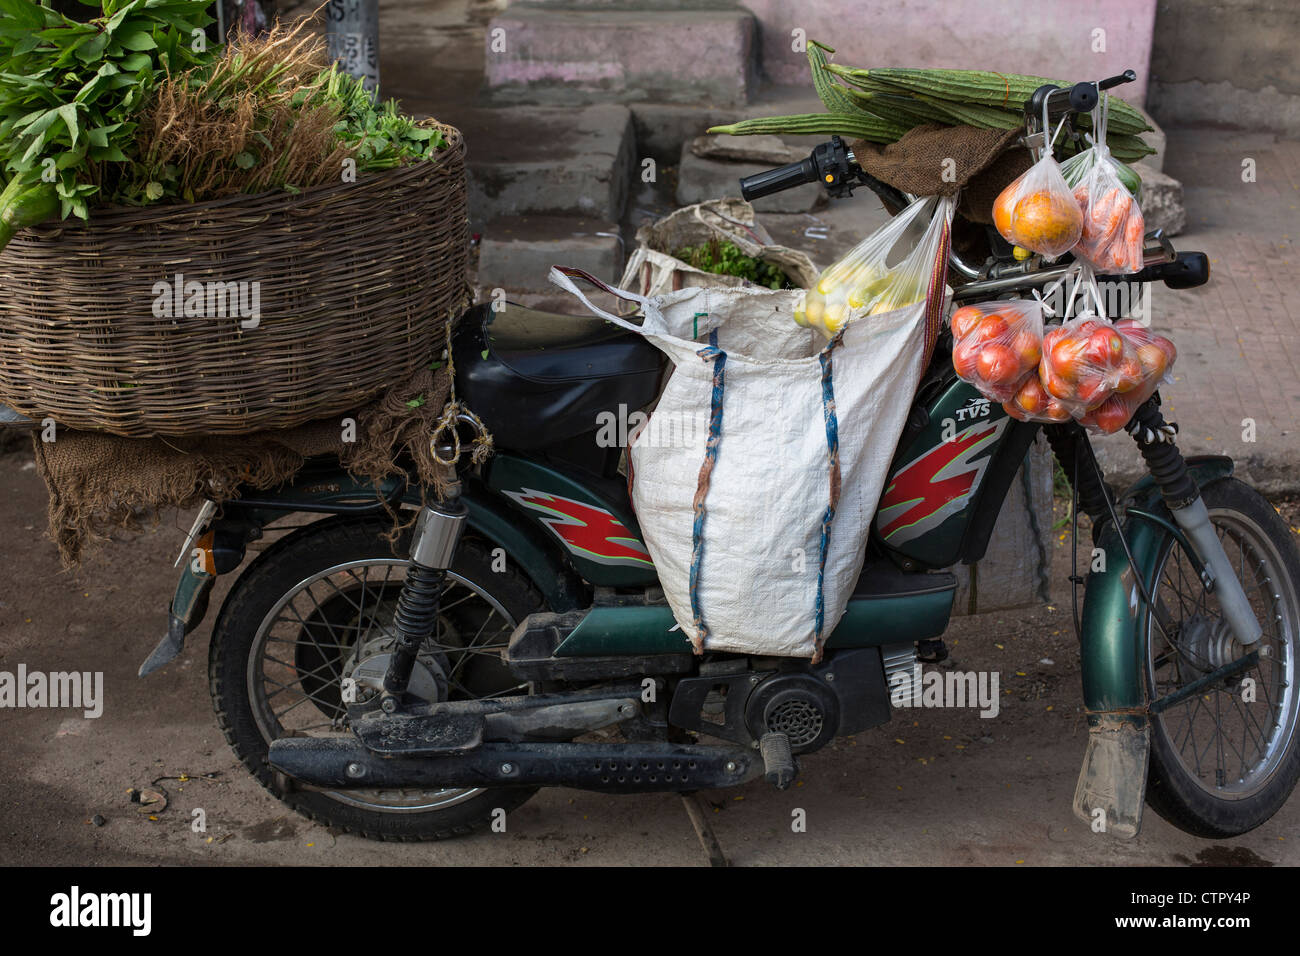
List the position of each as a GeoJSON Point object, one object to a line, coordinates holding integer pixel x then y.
{"type": "Point", "coordinates": [317, 609]}
{"type": "Point", "coordinates": [1226, 759]}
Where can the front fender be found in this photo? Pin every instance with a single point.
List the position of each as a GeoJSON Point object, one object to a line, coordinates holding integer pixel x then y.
{"type": "Point", "coordinates": [1112, 782]}
{"type": "Point", "coordinates": [1113, 648]}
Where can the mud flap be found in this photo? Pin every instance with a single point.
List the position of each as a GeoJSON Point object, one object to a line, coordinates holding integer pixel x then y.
{"type": "Point", "coordinates": [1114, 775]}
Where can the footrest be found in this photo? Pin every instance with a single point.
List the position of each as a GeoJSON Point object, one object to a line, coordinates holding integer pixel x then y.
{"type": "Point", "coordinates": [413, 735]}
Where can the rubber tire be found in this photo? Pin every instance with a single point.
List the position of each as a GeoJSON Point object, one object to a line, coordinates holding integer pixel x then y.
{"type": "Point", "coordinates": [278, 569]}
{"type": "Point", "coordinates": [1171, 792]}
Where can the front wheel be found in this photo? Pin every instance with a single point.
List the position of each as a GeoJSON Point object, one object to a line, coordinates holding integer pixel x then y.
{"type": "Point", "coordinates": [1226, 759]}
{"type": "Point", "coordinates": [316, 609]}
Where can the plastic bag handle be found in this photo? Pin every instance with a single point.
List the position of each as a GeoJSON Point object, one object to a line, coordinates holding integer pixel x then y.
{"type": "Point", "coordinates": [563, 277]}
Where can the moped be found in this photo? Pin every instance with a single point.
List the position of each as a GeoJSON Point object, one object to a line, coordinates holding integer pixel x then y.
{"type": "Point", "coordinates": [517, 636]}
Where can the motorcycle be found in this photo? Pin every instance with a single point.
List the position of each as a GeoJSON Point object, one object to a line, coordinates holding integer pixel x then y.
{"type": "Point", "coordinates": [516, 636]}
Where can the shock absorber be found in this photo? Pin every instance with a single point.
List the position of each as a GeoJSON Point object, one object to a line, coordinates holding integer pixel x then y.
{"type": "Point", "coordinates": [1155, 441]}
{"type": "Point", "coordinates": [1077, 459]}
{"type": "Point", "coordinates": [433, 546]}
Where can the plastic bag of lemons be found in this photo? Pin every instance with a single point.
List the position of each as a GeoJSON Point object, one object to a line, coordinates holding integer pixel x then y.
{"type": "Point", "coordinates": [863, 283]}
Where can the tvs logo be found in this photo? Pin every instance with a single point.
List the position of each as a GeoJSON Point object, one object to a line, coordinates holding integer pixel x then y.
{"type": "Point", "coordinates": [938, 484]}
{"type": "Point", "coordinates": [589, 532]}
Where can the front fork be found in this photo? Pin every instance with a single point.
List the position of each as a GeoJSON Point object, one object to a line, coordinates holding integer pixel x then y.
{"type": "Point", "coordinates": [1112, 782]}
{"type": "Point", "coordinates": [433, 548]}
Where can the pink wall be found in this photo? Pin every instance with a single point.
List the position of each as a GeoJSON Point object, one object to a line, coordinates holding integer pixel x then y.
{"type": "Point", "coordinates": [1051, 38]}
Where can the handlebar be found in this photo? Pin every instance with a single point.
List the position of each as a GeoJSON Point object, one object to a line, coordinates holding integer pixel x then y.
{"type": "Point", "coordinates": [1080, 98]}
{"type": "Point", "coordinates": [777, 180]}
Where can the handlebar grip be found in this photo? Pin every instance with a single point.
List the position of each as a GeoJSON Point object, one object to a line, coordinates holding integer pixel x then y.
{"type": "Point", "coordinates": [775, 180]}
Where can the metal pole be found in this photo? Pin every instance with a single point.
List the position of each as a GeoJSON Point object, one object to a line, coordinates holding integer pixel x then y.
{"type": "Point", "coordinates": [352, 36]}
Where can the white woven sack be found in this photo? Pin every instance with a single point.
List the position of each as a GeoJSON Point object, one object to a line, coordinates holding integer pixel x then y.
{"type": "Point", "coordinates": [757, 476]}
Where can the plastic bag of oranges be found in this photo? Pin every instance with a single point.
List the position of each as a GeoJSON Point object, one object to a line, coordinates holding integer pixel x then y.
{"type": "Point", "coordinates": [862, 279]}
{"type": "Point", "coordinates": [1039, 212]}
{"type": "Point", "coordinates": [997, 345]}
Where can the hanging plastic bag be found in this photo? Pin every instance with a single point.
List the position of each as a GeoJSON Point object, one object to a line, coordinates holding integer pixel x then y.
{"type": "Point", "coordinates": [1039, 212]}
{"type": "Point", "coordinates": [1156, 356]}
{"type": "Point", "coordinates": [997, 345]}
{"type": "Point", "coordinates": [859, 278]}
{"type": "Point", "coordinates": [1114, 230]}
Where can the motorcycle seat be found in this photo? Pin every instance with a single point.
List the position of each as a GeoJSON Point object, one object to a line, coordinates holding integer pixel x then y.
{"type": "Point", "coordinates": [537, 378]}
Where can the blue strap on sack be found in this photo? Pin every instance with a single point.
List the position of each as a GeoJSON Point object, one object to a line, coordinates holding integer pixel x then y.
{"type": "Point", "coordinates": [833, 456]}
{"type": "Point", "coordinates": [719, 358]}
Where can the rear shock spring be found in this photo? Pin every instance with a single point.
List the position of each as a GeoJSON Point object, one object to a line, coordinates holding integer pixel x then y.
{"type": "Point", "coordinates": [416, 619]}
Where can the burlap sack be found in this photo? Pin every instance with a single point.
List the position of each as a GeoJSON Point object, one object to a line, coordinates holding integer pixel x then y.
{"type": "Point", "coordinates": [984, 162]}
{"type": "Point", "coordinates": [100, 483]}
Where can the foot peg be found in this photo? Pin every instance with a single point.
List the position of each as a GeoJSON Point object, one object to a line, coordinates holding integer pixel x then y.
{"type": "Point", "coordinates": [778, 761]}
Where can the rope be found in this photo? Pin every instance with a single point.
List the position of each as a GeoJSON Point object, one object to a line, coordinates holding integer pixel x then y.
{"type": "Point", "coordinates": [452, 412]}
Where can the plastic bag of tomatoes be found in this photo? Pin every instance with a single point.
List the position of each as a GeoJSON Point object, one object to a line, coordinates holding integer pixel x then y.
{"type": "Point", "coordinates": [997, 345]}
{"type": "Point", "coordinates": [1101, 372]}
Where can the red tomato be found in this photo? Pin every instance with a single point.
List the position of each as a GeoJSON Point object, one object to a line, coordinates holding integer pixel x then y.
{"type": "Point", "coordinates": [1027, 348]}
{"type": "Point", "coordinates": [1055, 411]}
{"type": "Point", "coordinates": [1066, 357]}
{"type": "Point", "coordinates": [998, 365]}
{"type": "Point", "coordinates": [1154, 359]}
{"type": "Point", "coordinates": [963, 320]}
{"type": "Point", "coordinates": [964, 355]}
{"type": "Point", "coordinates": [991, 328]}
{"type": "Point", "coordinates": [1091, 389]}
{"type": "Point", "coordinates": [1112, 415]}
{"type": "Point", "coordinates": [1104, 348]}
{"type": "Point", "coordinates": [1031, 398]}
{"type": "Point", "coordinates": [1054, 384]}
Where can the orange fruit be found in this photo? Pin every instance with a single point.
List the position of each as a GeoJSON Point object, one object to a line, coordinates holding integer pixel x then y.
{"type": "Point", "coordinates": [1046, 222]}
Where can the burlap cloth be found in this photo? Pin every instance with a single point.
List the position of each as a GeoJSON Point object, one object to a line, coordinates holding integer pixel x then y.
{"type": "Point", "coordinates": [100, 484]}
{"type": "Point", "coordinates": [984, 162]}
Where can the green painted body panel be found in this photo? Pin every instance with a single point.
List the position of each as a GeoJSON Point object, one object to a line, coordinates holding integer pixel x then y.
{"type": "Point", "coordinates": [1114, 646]}
{"type": "Point", "coordinates": [897, 618]}
{"type": "Point", "coordinates": [600, 535]}
{"type": "Point", "coordinates": [628, 631]}
{"type": "Point", "coordinates": [925, 507]}
{"type": "Point", "coordinates": [638, 630]}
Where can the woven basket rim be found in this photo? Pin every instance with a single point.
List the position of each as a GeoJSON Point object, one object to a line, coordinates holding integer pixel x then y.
{"type": "Point", "coordinates": [142, 215]}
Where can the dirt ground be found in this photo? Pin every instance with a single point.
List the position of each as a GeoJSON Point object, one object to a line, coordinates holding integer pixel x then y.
{"type": "Point", "coordinates": [933, 787]}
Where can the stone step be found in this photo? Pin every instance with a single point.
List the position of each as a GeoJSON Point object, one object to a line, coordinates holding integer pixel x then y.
{"type": "Point", "coordinates": [547, 160]}
{"type": "Point", "coordinates": [517, 252]}
{"type": "Point", "coordinates": [565, 55]}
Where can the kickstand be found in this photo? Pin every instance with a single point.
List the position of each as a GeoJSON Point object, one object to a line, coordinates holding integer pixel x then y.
{"type": "Point", "coordinates": [708, 839]}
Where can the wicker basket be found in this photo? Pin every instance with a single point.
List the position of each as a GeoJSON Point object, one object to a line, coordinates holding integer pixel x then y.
{"type": "Point", "coordinates": [354, 284]}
